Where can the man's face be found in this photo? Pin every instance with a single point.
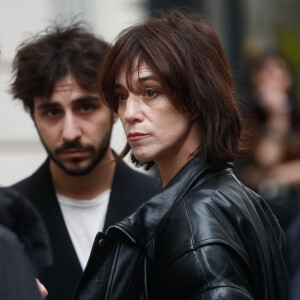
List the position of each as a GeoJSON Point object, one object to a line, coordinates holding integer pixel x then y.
{"type": "Point", "coordinates": [74, 126]}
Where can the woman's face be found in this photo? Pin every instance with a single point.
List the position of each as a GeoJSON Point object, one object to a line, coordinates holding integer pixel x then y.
{"type": "Point", "coordinates": [154, 128]}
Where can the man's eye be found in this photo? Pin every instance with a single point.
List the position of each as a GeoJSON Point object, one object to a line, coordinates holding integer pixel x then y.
{"type": "Point", "coordinates": [150, 93]}
{"type": "Point", "coordinates": [86, 107]}
{"type": "Point", "coordinates": [122, 97]}
{"type": "Point", "coordinates": [52, 112]}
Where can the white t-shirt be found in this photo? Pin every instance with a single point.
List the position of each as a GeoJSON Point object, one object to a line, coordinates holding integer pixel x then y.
{"type": "Point", "coordinates": [84, 219]}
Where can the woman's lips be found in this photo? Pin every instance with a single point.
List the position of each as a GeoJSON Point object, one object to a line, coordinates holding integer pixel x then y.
{"type": "Point", "coordinates": [136, 136]}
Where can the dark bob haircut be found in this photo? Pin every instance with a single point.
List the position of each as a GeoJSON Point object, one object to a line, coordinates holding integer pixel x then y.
{"type": "Point", "coordinates": [185, 53]}
{"type": "Point", "coordinates": [52, 54]}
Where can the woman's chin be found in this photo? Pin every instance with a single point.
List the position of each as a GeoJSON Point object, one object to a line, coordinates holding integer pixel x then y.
{"type": "Point", "coordinates": [142, 157]}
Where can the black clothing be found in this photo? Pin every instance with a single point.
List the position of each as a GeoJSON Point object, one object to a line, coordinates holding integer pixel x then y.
{"type": "Point", "coordinates": [205, 236]}
{"type": "Point", "coordinates": [129, 190]}
{"type": "Point", "coordinates": [16, 272]}
{"type": "Point", "coordinates": [24, 247]}
{"type": "Point", "coordinates": [293, 261]}
{"type": "Point", "coordinates": [283, 201]}
{"type": "Point", "coordinates": [19, 216]}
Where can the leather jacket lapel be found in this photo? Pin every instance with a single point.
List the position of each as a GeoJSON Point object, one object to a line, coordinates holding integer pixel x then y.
{"type": "Point", "coordinates": [140, 225]}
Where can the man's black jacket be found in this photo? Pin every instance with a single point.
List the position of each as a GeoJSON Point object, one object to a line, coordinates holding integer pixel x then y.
{"type": "Point", "coordinates": [129, 190]}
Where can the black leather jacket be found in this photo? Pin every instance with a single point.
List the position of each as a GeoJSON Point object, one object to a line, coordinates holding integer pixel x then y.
{"type": "Point", "coordinates": [206, 236]}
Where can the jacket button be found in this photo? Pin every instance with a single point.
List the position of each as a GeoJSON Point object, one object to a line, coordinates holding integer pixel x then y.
{"type": "Point", "coordinates": [101, 242]}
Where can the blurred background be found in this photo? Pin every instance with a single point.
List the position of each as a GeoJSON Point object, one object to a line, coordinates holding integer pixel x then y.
{"type": "Point", "coordinates": [247, 28]}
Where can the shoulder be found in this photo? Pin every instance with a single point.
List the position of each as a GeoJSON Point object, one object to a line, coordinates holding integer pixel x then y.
{"type": "Point", "coordinates": [195, 238]}
{"type": "Point", "coordinates": [8, 239]}
{"type": "Point", "coordinates": [210, 272]}
{"type": "Point", "coordinates": [214, 213]}
{"type": "Point", "coordinates": [19, 214]}
{"type": "Point", "coordinates": [216, 221]}
{"type": "Point", "coordinates": [10, 245]}
{"type": "Point", "coordinates": [35, 182]}
{"type": "Point", "coordinates": [13, 259]}
{"type": "Point", "coordinates": [13, 207]}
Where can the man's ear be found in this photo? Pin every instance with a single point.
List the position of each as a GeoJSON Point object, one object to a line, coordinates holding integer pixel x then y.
{"type": "Point", "coordinates": [115, 117]}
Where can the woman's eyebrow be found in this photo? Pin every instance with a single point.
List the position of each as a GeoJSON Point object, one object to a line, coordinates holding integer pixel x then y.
{"type": "Point", "coordinates": [140, 79]}
{"type": "Point", "coordinates": [148, 78]}
{"type": "Point", "coordinates": [118, 85]}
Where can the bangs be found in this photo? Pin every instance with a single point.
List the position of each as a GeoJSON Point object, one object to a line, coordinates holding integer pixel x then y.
{"type": "Point", "coordinates": [123, 57]}
{"type": "Point", "coordinates": [132, 65]}
{"type": "Point", "coordinates": [127, 56]}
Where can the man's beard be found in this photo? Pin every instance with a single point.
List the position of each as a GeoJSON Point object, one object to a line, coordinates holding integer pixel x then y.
{"type": "Point", "coordinates": [96, 155]}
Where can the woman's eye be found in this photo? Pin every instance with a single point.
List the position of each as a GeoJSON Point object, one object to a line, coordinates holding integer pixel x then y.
{"type": "Point", "coordinates": [150, 93]}
{"type": "Point", "coordinates": [122, 97]}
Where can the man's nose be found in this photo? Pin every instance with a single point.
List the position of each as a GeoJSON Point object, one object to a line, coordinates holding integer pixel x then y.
{"type": "Point", "coordinates": [71, 128]}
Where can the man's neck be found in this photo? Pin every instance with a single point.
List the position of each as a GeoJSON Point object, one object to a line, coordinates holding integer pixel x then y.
{"type": "Point", "coordinates": [88, 186]}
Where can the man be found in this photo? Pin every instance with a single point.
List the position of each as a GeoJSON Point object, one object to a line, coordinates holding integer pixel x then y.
{"type": "Point", "coordinates": [80, 189]}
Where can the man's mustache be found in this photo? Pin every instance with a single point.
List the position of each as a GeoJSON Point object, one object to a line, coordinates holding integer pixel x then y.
{"type": "Point", "coordinates": [76, 144]}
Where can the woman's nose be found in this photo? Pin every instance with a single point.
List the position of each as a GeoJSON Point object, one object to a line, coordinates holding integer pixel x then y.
{"type": "Point", "coordinates": [133, 110]}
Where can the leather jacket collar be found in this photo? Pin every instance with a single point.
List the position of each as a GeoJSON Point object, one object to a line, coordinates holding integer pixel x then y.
{"type": "Point", "coordinates": [140, 226]}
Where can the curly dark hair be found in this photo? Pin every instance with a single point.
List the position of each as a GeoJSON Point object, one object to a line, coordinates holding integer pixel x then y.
{"type": "Point", "coordinates": [52, 54]}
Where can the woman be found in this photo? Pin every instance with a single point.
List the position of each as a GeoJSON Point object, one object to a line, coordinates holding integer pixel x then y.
{"type": "Point", "coordinates": [205, 236]}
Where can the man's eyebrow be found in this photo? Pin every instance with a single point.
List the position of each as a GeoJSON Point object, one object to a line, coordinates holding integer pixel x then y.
{"type": "Point", "coordinates": [53, 104]}
{"type": "Point", "coordinates": [87, 99]}
{"type": "Point", "coordinates": [47, 105]}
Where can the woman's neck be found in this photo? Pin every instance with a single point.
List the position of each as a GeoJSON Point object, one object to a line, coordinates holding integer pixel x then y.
{"type": "Point", "coordinates": [172, 162]}
{"type": "Point", "coordinates": [170, 167]}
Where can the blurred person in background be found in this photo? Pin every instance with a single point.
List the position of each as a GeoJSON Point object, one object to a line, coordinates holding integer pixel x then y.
{"type": "Point", "coordinates": [206, 235]}
{"type": "Point", "coordinates": [80, 189]}
{"type": "Point", "coordinates": [272, 120]}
